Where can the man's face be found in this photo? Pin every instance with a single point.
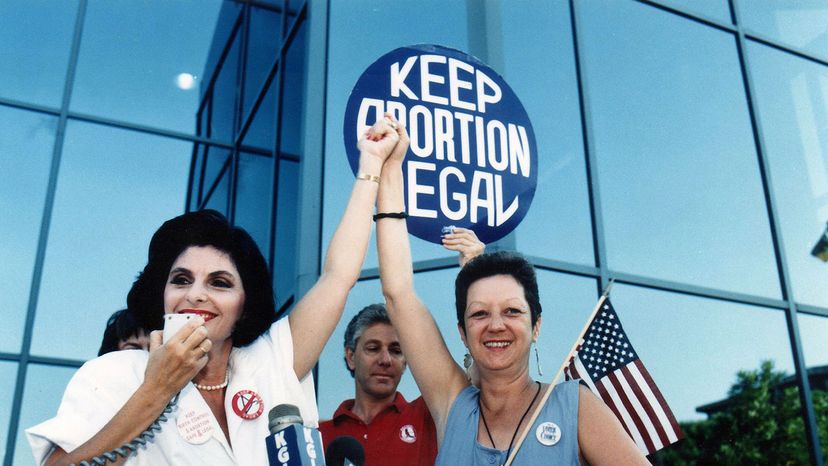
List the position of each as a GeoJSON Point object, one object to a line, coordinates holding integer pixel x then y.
{"type": "Point", "coordinates": [378, 362]}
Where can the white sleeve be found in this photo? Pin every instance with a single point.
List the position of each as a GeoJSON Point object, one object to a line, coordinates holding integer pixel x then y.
{"type": "Point", "coordinates": [282, 340]}
{"type": "Point", "coordinates": [96, 392]}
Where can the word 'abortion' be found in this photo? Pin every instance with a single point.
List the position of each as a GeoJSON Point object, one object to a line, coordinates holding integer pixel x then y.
{"type": "Point", "coordinates": [491, 148]}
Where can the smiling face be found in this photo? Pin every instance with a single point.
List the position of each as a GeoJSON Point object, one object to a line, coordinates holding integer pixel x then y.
{"type": "Point", "coordinates": [498, 324]}
{"type": "Point", "coordinates": [204, 281]}
{"type": "Point", "coordinates": [377, 362]}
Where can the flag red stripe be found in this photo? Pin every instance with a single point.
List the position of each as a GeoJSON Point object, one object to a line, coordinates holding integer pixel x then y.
{"type": "Point", "coordinates": [645, 403]}
{"type": "Point", "coordinates": [609, 401]}
{"type": "Point", "coordinates": [657, 393]}
{"type": "Point", "coordinates": [632, 412]}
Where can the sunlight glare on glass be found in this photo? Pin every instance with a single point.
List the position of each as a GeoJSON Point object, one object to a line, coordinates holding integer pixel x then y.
{"type": "Point", "coordinates": [185, 81]}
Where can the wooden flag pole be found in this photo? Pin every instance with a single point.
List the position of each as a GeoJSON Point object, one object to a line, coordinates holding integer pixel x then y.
{"type": "Point", "coordinates": [551, 386]}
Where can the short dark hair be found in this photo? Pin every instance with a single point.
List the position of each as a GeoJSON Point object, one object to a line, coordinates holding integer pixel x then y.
{"type": "Point", "coordinates": [206, 228]}
{"type": "Point", "coordinates": [497, 263]}
{"type": "Point", "coordinates": [368, 316]}
{"type": "Point", "coordinates": [121, 326]}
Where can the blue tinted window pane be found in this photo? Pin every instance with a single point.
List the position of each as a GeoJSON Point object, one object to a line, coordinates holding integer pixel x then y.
{"type": "Point", "coordinates": [714, 9]}
{"type": "Point", "coordinates": [694, 347]}
{"type": "Point", "coordinates": [197, 163]}
{"type": "Point", "coordinates": [681, 194]}
{"type": "Point", "coordinates": [217, 165]}
{"type": "Point", "coordinates": [292, 132]}
{"type": "Point", "coordinates": [219, 197]}
{"type": "Point", "coordinates": [8, 377]}
{"type": "Point", "coordinates": [262, 130]}
{"type": "Point", "coordinates": [814, 333]}
{"type": "Point", "coordinates": [284, 268]}
{"type": "Point", "coordinates": [223, 104]}
{"type": "Point", "coordinates": [253, 198]}
{"type": "Point", "coordinates": [792, 97]}
{"type": "Point", "coordinates": [26, 144]}
{"type": "Point", "coordinates": [36, 38]}
{"type": "Point", "coordinates": [41, 398]}
{"type": "Point", "coordinates": [349, 54]}
{"type": "Point", "coordinates": [799, 24]}
{"type": "Point", "coordinates": [115, 188]}
{"type": "Point", "coordinates": [262, 49]}
{"type": "Point", "coordinates": [228, 17]}
{"type": "Point", "coordinates": [566, 300]}
{"type": "Point", "coordinates": [558, 223]}
{"type": "Point", "coordinates": [137, 60]}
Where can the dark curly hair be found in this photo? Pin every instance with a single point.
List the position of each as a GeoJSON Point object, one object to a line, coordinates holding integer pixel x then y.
{"type": "Point", "coordinates": [205, 228]}
{"type": "Point", "coordinates": [497, 263]}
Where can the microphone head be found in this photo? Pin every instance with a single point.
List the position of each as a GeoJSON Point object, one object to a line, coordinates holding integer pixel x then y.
{"type": "Point", "coordinates": [282, 416]}
{"type": "Point", "coordinates": [345, 448]}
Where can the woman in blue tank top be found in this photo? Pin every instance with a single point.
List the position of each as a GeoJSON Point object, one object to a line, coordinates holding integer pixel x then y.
{"type": "Point", "coordinates": [498, 315]}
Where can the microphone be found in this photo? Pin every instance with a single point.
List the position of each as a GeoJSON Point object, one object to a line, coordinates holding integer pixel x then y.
{"type": "Point", "coordinates": [290, 443]}
{"type": "Point", "coordinates": [345, 451]}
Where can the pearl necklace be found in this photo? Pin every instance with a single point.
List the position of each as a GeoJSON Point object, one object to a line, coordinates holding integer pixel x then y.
{"type": "Point", "coordinates": [210, 388]}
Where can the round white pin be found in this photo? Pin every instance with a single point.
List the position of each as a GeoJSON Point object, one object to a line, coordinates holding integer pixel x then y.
{"type": "Point", "coordinates": [548, 433]}
{"type": "Point", "coordinates": [194, 427]}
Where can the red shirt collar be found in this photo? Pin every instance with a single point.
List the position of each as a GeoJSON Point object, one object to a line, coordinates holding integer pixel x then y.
{"type": "Point", "coordinates": [346, 406]}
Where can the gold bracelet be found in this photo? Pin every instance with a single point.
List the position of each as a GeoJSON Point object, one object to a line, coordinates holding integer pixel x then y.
{"type": "Point", "coordinates": [368, 177]}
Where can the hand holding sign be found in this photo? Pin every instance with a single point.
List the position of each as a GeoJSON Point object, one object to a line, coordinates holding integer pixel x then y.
{"type": "Point", "coordinates": [473, 158]}
{"type": "Point", "coordinates": [465, 242]}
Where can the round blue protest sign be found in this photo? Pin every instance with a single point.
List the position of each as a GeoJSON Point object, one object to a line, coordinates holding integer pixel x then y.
{"type": "Point", "coordinates": [472, 162]}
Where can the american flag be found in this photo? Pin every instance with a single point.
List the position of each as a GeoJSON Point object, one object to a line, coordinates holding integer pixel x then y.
{"type": "Point", "coordinates": [609, 365]}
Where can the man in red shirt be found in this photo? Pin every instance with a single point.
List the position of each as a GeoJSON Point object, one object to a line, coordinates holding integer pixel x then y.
{"type": "Point", "coordinates": [391, 430]}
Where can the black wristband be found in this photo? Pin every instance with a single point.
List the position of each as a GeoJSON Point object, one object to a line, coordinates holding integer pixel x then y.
{"type": "Point", "coordinates": [390, 215]}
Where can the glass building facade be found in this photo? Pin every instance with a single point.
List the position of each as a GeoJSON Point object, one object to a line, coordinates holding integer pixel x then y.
{"type": "Point", "coordinates": [683, 153]}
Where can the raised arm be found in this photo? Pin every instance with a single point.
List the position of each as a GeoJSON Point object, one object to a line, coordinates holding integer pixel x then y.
{"type": "Point", "coordinates": [315, 316]}
{"type": "Point", "coordinates": [440, 379]}
{"type": "Point", "coordinates": [169, 368]}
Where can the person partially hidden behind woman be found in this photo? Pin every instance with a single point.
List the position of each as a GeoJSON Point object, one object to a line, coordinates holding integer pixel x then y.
{"type": "Point", "coordinates": [231, 363]}
{"type": "Point", "coordinates": [124, 332]}
{"type": "Point", "coordinates": [498, 317]}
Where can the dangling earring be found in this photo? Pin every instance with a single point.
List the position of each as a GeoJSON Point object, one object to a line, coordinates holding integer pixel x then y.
{"type": "Point", "coordinates": [467, 362]}
{"type": "Point", "coordinates": [537, 359]}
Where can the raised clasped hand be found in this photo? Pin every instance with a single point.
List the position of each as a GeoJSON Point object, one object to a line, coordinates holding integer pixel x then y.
{"type": "Point", "coordinates": [387, 139]}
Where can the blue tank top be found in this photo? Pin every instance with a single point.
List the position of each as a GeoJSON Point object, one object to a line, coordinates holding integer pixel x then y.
{"type": "Point", "coordinates": [553, 438]}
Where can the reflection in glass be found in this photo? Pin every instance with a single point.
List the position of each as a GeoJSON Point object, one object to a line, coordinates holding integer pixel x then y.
{"type": "Point", "coordinates": [36, 38]}
{"type": "Point", "coordinates": [799, 24]}
{"type": "Point", "coordinates": [348, 56]}
{"type": "Point", "coordinates": [26, 143]}
{"type": "Point", "coordinates": [115, 188]}
{"type": "Point", "coordinates": [8, 377]}
{"type": "Point", "coordinates": [253, 198]}
{"type": "Point", "coordinates": [813, 330]}
{"type": "Point", "coordinates": [145, 75]}
{"type": "Point", "coordinates": [695, 348]}
{"type": "Point", "coordinates": [557, 225]}
{"type": "Point", "coordinates": [41, 398]}
{"type": "Point", "coordinates": [792, 95]}
{"type": "Point", "coordinates": [681, 195]}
